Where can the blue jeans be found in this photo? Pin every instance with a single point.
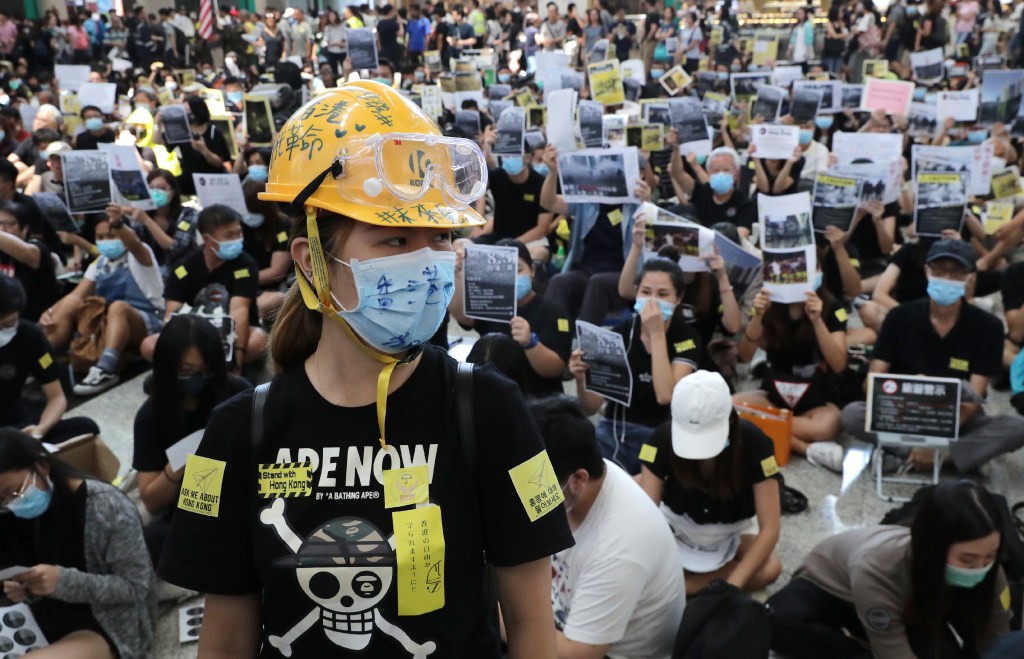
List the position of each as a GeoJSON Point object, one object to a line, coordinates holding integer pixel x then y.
{"type": "Point", "coordinates": [626, 453]}
{"type": "Point", "coordinates": [1009, 646]}
{"type": "Point", "coordinates": [833, 64]}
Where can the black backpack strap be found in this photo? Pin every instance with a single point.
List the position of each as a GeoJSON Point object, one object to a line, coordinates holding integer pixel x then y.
{"type": "Point", "coordinates": [464, 404]}
{"type": "Point", "coordinates": [259, 401]}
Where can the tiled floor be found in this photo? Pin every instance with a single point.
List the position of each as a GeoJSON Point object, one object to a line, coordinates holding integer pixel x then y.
{"type": "Point", "coordinates": [836, 503]}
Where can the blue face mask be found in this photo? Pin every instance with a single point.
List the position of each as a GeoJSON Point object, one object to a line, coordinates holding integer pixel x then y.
{"type": "Point", "coordinates": [945, 291]}
{"type": "Point", "coordinates": [977, 136]}
{"type": "Point", "coordinates": [919, 93]}
{"type": "Point", "coordinates": [503, 78]}
{"type": "Point", "coordinates": [15, 85]}
{"type": "Point", "coordinates": [523, 286]}
{"type": "Point", "coordinates": [513, 165]}
{"type": "Point", "coordinates": [259, 173]}
{"type": "Point", "coordinates": [962, 577]}
{"type": "Point", "coordinates": [722, 182]}
{"type": "Point", "coordinates": [806, 135]}
{"type": "Point", "coordinates": [33, 502]}
{"type": "Point", "coordinates": [253, 220]}
{"type": "Point", "coordinates": [112, 249]}
{"type": "Point", "coordinates": [235, 98]}
{"type": "Point", "coordinates": [419, 75]}
{"type": "Point", "coordinates": [656, 73]}
{"type": "Point", "coordinates": [701, 160]}
{"type": "Point", "coordinates": [229, 250]}
{"type": "Point", "coordinates": [94, 124]}
{"type": "Point", "coordinates": [723, 75]}
{"type": "Point", "coordinates": [394, 318]}
{"type": "Point", "coordinates": [192, 385]}
{"type": "Point", "coordinates": [159, 197]}
{"type": "Point", "coordinates": [667, 309]}
{"type": "Point", "coordinates": [931, 98]}
{"type": "Point", "coordinates": [823, 123]}
{"type": "Point", "coordinates": [541, 168]}
{"type": "Point", "coordinates": [817, 280]}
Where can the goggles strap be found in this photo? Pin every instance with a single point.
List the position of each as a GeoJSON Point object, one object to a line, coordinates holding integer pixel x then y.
{"type": "Point", "coordinates": [337, 170]}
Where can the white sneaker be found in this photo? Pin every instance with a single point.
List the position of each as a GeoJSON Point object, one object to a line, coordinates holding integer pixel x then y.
{"type": "Point", "coordinates": [826, 454]}
{"type": "Point", "coordinates": [96, 382]}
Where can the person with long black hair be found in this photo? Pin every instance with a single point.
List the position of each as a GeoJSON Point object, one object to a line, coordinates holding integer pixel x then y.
{"type": "Point", "coordinates": [89, 582]}
{"type": "Point", "coordinates": [190, 378]}
{"type": "Point", "coordinates": [932, 590]}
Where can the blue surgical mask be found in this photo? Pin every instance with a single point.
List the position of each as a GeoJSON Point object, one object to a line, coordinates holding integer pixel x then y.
{"type": "Point", "coordinates": [931, 98]}
{"type": "Point", "coordinates": [94, 124]}
{"type": "Point", "coordinates": [656, 73]}
{"type": "Point", "coordinates": [823, 123]}
{"type": "Point", "coordinates": [253, 220]}
{"type": "Point", "coordinates": [33, 502]}
{"type": "Point", "coordinates": [112, 249]}
{"type": "Point", "coordinates": [159, 197]}
{"type": "Point", "coordinates": [817, 280]}
{"type": "Point", "coordinates": [523, 286]}
{"type": "Point", "coordinates": [402, 299]}
{"type": "Point", "coordinates": [259, 173]}
{"type": "Point", "coordinates": [962, 577]}
{"type": "Point", "coordinates": [192, 385]}
{"type": "Point", "coordinates": [945, 291]}
{"type": "Point", "coordinates": [919, 93]}
{"type": "Point", "coordinates": [701, 160]}
{"type": "Point", "coordinates": [3, 134]}
{"type": "Point", "coordinates": [420, 76]}
{"type": "Point", "coordinates": [383, 81]}
{"type": "Point", "coordinates": [667, 309]}
{"type": "Point", "coordinates": [235, 98]}
{"type": "Point", "coordinates": [723, 75]}
{"type": "Point", "coordinates": [503, 78]}
{"type": "Point", "coordinates": [977, 136]}
{"type": "Point", "coordinates": [541, 168]}
{"type": "Point", "coordinates": [513, 165]}
{"type": "Point", "coordinates": [806, 135]}
{"type": "Point", "coordinates": [722, 182]}
{"type": "Point", "coordinates": [15, 85]}
{"type": "Point", "coordinates": [229, 250]}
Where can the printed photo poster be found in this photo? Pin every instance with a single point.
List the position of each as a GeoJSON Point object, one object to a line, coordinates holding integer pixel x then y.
{"type": "Point", "coordinates": [534, 140]}
{"type": "Point", "coordinates": [599, 52]}
{"type": "Point", "coordinates": [591, 119]}
{"type": "Point", "coordinates": [646, 137]}
{"type": "Point", "coordinates": [497, 92]}
{"type": "Point", "coordinates": [606, 82]}
{"type": "Point", "coordinates": [789, 273]}
{"type": "Point", "coordinates": [874, 68]}
{"type": "Point", "coordinates": [536, 117]}
{"type": "Point", "coordinates": [687, 119]}
{"type": "Point", "coordinates": [362, 48]}
{"type": "Point", "coordinates": [784, 76]}
{"type": "Point", "coordinates": [768, 103]}
{"type": "Point", "coordinates": [831, 93]}
{"type": "Point", "coordinates": [715, 106]}
{"type": "Point", "coordinates": [874, 156]}
{"type": "Point", "coordinates": [175, 126]}
{"type": "Point", "coordinates": [1006, 184]}
{"type": "Point", "coordinates": [929, 66]}
{"type": "Point", "coordinates": [940, 200]}
{"type": "Point", "coordinates": [975, 161]}
{"type": "Point", "coordinates": [432, 60]}
{"type": "Point", "coordinates": [653, 112]}
{"type": "Point", "coordinates": [55, 210]}
{"type": "Point", "coordinates": [497, 107]}
{"type": "Point", "coordinates": [921, 120]}
{"type": "Point", "coordinates": [851, 96]}
{"type": "Point", "coordinates": [614, 127]}
{"type": "Point", "coordinates": [469, 122]}
{"type": "Point", "coordinates": [71, 76]}
{"type": "Point", "coordinates": [804, 106]}
{"type": "Point", "coordinates": [675, 80]}
{"type": "Point", "coordinates": [259, 121]}
{"type": "Point", "coordinates": [511, 132]}
{"type": "Point", "coordinates": [745, 85]}
{"type": "Point", "coordinates": [130, 184]}
{"type": "Point", "coordinates": [785, 221]}
{"type": "Point", "coordinates": [835, 201]}
{"type": "Point", "coordinates": [774, 141]}
{"type": "Point", "coordinates": [86, 180]}
{"type": "Point", "coordinates": [996, 215]}
{"type": "Point", "coordinates": [226, 126]}
{"type": "Point", "coordinates": [708, 81]}
{"type": "Point", "coordinates": [605, 176]}
{"type": "Point", "coordinates": [489, 282]}
{"type": "Point", "coordinates": [608, 373]}
{"type": "Point", "coordinates": [694, 243]}
{"type": "Point", "coordinates": [960, 105]}
{"type": "Point", "coordinates": [766, 49]}
{"type": "Point", "coordinates": [225, 189]}
{"type": "Point", "coordinates": [890, 96]}
{"type": "Point", "coordinates": [560, 125]}
{"type": "Point", "coordinates": [1001, 93]}
{"type": "Point", "coordinates": [573, 80]}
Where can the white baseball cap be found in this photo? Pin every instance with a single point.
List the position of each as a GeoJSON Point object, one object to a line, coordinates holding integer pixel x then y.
{"type": "Point", "coordinates": [701, 407]}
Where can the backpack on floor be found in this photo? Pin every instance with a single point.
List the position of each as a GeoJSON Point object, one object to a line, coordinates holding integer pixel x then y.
{"type": "Point", "coordinates": [723, 621]}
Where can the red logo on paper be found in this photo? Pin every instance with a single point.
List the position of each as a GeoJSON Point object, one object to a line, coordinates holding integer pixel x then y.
{"type": "Point", "coordinates": [889, 386]}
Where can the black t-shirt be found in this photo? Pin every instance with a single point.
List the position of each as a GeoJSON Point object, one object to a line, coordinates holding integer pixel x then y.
{"type": "Point", "coordinates": [1012, 287]}
{"type": "Point", "coordinates": [86, 141]}
{"type": "Point", "coordinates": [652, 19]}
{"type": "Point", "coordinates": [28, 353]}
{"type": "Point", "coordinates": [741, 210]}
{"type": "Point", "coordinates": [794, 174]}
{"type": "Point", "coordinates": [387, 33]}
{"type": "Point", "coordinates": [909, 343]}
{"type": "Point", "coordinates": [759, 465]}
{"type": "Point", "coordinates": [832, 277]}
{"type": "Point", "coordinates": [684, 345]}
{"type": "Point", "coordinates": [550, 320]}
{"type": "Point", "coordinates": [865, 235]}
{"type": "Point", "coordinates": [798, 359]}
{"type": "Point", "coordinates": [194, 163]}
{"type": "Point", "coordinates": [516, 205]}
{"type": "Point", "coordinates": [602, 246]}
{"type": "Point", "coordinates": [40, 284]}
{"type": "Point", "coordinates": [235, 552]}
{"type": "Point", "coordinates": [257, 248]}
{"type": "Point", "coordinates": [912, 282]}
{"type": "Point", "coordinates": [191, 283]}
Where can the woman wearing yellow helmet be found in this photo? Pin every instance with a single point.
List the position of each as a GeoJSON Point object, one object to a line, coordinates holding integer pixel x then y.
{"type": "Point", "coordinates": [342, 514]}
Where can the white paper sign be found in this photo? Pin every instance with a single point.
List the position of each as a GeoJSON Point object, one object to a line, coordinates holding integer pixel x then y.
{"type": "Point", "coordinates": [561, 119]}
{"type": "Point", "coordinates": [71, 76]}
{"type": "Point", "coordinates": [13, 571]}
{"type": "Point", "coordinates": [960, 105]}
{"type": "Point", "coordinates": [220, 189]}
{"type": "Point", "coordinates": [775, 142]}
{"type": "Point", "coordinates": [178, 453]}
{"type": "Point", "coordinates": [101, 94]}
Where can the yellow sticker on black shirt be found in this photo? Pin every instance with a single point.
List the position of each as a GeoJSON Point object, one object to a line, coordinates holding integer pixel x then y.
{"type": "Point", "coordinates": [180, 272]}
{"type": "Point", "coordinates": [1004, 598]}
{"type": "Point", "coordinates": [841, 315]}
{"type": "Point", "coordinates": [529, 198]}
{"type": "Point", "coordinates": [563, 324]}
{"type": "Point", "coordinates": [959, 364]}
{"type": "Point", "coordinates": [615, 217]}
{"type": "Point", "coordinates": [242, 274]}
{"type": "Point", "coordinates": [769, 466]}
{"type": "Point", "coordinates": [282, 237]}
{"type": "Point", "coordinates": [648, 453]}
{"type": "Point", "coordinates": [405, 487]}
{"type": "Point", "coordinates": [200, 487]}
{"type": "Point", "coordinates": [683, 346]}
{"type": "Point", "coordinates": [184, 226]}
{"type": "Point", "coordinates": [46, 360]}
{"type": "Point", "coordinates": [537, 486]}
{"type": "Point", "coordinates": [419, 549]}
{"type": "Point", "coordinates": [285, 480]}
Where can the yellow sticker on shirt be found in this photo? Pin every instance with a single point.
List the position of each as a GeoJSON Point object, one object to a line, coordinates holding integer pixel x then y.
{"type": "Point", "coordinates": [200, 487]}
{"type": "Point", "coordinates": [1004, 598]}
{"type": "Point", "coordinates": [563, 324]}
{"type": "Point", "coordinates": [282, 237]}
{"type": "Point", "coordinates": [419, 548]}
{"type": "Point", "coordinates": [405, 487]}
{"type": "Point", "coordinates": [648, 453]}
{"type": "Point", "coordinates": [959, 364]}
{"type": "Point", "coordinates": [683, 346]}
{"type": "Point", "coordinates": [46, 360]}
{"type": "Point", "coordinates": [180, 272]}
{"type": "Point", "coordinates": [285, 480]}
{"type": "Point", "coordinates": [537, 486]}
{"type": "Point", "coordinates": [529, 198]}
{"type": "Point", "coordinates": [769, 466]}
{"type": "Point", "coordinates": [615, 217]}
{"type": "Point", "coordinates": [242, 274]}
{"type": "Point", "coordinates": [855, 263]}
{"type": "Point", "coordinates": [841, 315]}
{"type": "Point", "coordinates": [184, 226]}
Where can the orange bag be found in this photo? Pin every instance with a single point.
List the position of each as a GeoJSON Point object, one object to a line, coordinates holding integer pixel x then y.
{"type": "Point", "coordinates": [774, 422]}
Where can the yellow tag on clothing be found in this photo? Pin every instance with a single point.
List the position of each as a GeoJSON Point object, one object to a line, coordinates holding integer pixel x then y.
{"type": "Point", "coordinates": [683, 346]}
{"type": "Point", "coordinates": [184, 226]}
{"type": "Point", "coordinates": [537, 486]}
{"type": "Point", "coordinates": [648, 453]}
{"type": "Point", "coordinates": [200, 487]}
{"type": "Point", "coordinates": [180, 272]}
{"type": "Point", "coordinates": [405, 487]}
{"type": "Point", "coordinates": [282, 237]}
{"type": "Point", "coordinates": [563, 324]}
{"type": "Point", "coordinates": [419, 548]}
{"type": "Point", "coordinates": [242, 274]}
{"type": "Point", "coordinates": [529, 198]}
{"type": "Point", "coordinates": [855, 263]}
{"type": "Point", "coordinates": [46, 360]}
{"type": "Point", "coordinates": [615, 217]}
{"type": "Point", "coordinates": [769, 466]}
{"type": "Point", "coordinates": [1004, 598]}
{"type": "Point", "coordinates": [976, 210]}
{"type": "Point", "coordinates": [959, 364]}
{"type": "Point", "coordinates": [285, 480]}
{"type": "Point", "coordinates": [841, 315]}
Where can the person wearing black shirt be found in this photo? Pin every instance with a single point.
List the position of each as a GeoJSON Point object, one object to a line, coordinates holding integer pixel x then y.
{"type": "Point", "coordinates": [208, 150]}
{"type": "Point", "coordinates": [460, 32]}
{"type": "Point", "coordinates": [38, 226]}
{"type": "Point", "coordinates": [390, 33]}
{"type": "Point", "coordinates": [777, 177]}
{"type": "Point", "coordinates": [623, 34]}
{"type": "Point", "coordinates": [652, 18]}
{"type": "Point", "coordinates": [265, 232]}
{"type": "Point", "coordinates": [516, 188]}
{"type": "Point", "coordinates": [26, 259]}
{"type": "Point", "coordinates": [903, 280]}
{"type": "Point", "coordinates": [95, 131]}
{"type": "Point", "coordinates": [541, 327]}
{"type": "Point", "coordinates": [720, 198]}
{"type": "Point", "coordinates": [218, 276]}
{"type": "Point", "coordinates": [944, 336]}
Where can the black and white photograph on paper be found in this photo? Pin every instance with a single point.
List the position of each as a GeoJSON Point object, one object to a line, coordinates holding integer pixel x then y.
{"type": "Point", "coordinates": [19, 631]}
{"type": "Point", "coordinates": [174, 125]}
{"type": "Point", "coordinates": [362, 48]}
{"type": "Point", "coordinates": [835, 201]}
{"type": "Point", "coordinates": [534, 140]}
{"type": "Point", "coordinates": [55, 210]}
{"type": "Point", "coordinates": [606, 176]}
{"type": "Point", "coordinates": [614, 126]}
{"type": "Point", "coordinates": [496, 108]}
{"type": "Point", "coordinates": [656, 113]}
{"type": "Point", "coordinates": [785, 220]}
{"type": "Point", "coordinates": [694, 243]}
{"type": "Point", "coordinates": [510, 133]}
{"type": "Point", "coordinates": [126, 172]}
{"type": "Point", "coordinates": [572, 79]}
{"type": "Point", "coordinates": [498, 91]}
{"type": "Point", "coordinates": [259, 120]}
{"type": "Point", "coordinates": [715, 105]}
{"type": "Point", "coordinates": [830, 90]}
{"type": "Point", "coordinates": [928, 66]}
{"type": "Point", "coordinates": [691, 126]}
{"type": "Point", "coordinates": [608, 372]}
{"type": "Point", "coordinates": [1000, 98]}
{"type": "Point", "coordinates": [632, 89]}
{"type": "Point", "coordinates": [789, 274]}
{"type": "Point", "coordinates": [635, 135]}
{"type": "Point", "coordinates": [913, 405]}
{"type": "Point", "coordinates": [708, 81]}
{"type": "Point", "coordinates": [536, 116]}
{"type": "Point", "coordinates": [768, 103]}
{"type": "Point", "coordinates": [591, 116]}
{"type": "Point", "coordinates": [86, 180]}
{"type": "Point", "coordinates": [921, 120]}
{"type": "Point", "coordinates": [804, 106]}
{"type": "Point", "coordinates": [975, 161]}
{"type": "Point", "coordinates": [851, 96]}
{"type": "Point", "coordinates": [940, 199]}
{"type": "Point", "coordinates": [468, 122]}
{"type": "Point", "coordinates": [489, 282]}
{"type": "Point", "coordinates": [744, 86]}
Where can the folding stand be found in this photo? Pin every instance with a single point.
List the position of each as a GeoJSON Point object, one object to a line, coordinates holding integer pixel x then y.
{"type": "Point", "coordinates": [937, 444]}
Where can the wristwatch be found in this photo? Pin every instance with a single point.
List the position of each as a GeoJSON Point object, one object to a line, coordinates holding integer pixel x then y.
{"type": "Point", "coordinates": [533, 341]}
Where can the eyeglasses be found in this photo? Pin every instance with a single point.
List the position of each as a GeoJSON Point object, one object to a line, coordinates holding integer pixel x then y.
{"type": "Point", "coordinates": [8, 500]}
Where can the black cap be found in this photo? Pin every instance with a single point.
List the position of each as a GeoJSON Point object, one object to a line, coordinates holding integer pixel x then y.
{"type": "Point", "coordinates": [958, 250]}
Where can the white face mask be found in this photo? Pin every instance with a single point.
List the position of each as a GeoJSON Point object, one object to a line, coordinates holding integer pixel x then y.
{"type": "Point", "coordinates": [7, 335]}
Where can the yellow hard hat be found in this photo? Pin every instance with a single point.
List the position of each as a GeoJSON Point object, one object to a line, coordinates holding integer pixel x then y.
{"type": "Point", "coordinates": [364, 151]}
